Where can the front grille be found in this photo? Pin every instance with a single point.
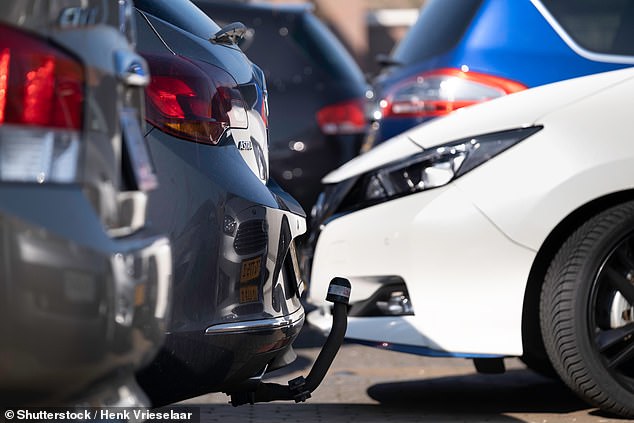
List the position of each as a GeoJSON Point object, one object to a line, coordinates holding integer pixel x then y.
{"type": "Point", "coordinates": [251, 237]}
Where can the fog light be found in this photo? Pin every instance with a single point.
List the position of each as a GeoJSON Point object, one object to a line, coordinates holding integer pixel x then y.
{"type": "Point", "coordinates": [390, 298]}
{"type": "Point", "coordinates": [397, 304]}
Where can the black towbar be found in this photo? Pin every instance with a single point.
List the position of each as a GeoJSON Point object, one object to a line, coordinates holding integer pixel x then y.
{"type": "Point", "coordinates": [299, 389]}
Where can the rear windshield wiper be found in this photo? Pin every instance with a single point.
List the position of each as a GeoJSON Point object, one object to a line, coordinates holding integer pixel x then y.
{"type": "Point", "coordinates": [229, 34]}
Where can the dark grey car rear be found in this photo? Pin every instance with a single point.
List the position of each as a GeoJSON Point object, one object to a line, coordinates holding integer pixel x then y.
{"type": "Point", "coordinates": [85, 284]}
{"type": "Point", "coordinates": [236, 284]}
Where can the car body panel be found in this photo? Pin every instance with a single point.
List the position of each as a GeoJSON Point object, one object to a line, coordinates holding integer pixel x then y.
{"type": "Point", "coordinates": [236, 285]}
{"type": "Point", "coordinates": [219, 184]}
{"type": "Point", "coordinates": [86, 281]}
{"type": "Point", "coordinates": [465, 250]}
{"type": "Point", "coordinates": [306, 69]}
{"type": "Point", "coordinates": [70, 280]}
{"type": "Point", "coordinates": [226, 57]}
{"type": "Point", "coordinates": [568, 174]}
{"type": "Point", "coordinates": [207, 289]}
{"type": "Point", "coordinates": [415, 242]}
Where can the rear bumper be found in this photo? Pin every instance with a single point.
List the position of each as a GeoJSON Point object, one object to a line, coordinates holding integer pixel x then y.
{"type": "Point", "coordinates": [233, 354]}
{"type": "Point", "coordinates": [80, 308]}
{"type": "Point", "coordinates": [284, 323]}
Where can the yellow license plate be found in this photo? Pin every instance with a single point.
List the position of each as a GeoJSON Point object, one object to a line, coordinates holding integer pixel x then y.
{"type": "Point", "coordinates": [250, 269]}
{"type": "Point", "coordinates": [249, 294]}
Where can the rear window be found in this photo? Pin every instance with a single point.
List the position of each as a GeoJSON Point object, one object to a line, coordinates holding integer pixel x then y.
{"type": "Point", "coordinates": [181, 13]}
{"type": "Point", "coordinates": [601, 26]}
{"type": "Point", "coordinates": [292, 47]}
{"type": "Point", "coordinates": [320, 43]}
{"type": "Point", "coordinates": [439, 27]}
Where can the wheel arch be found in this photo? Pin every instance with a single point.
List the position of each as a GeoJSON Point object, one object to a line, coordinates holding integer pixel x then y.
{"type": "Point", "coordinates": [532, 343]}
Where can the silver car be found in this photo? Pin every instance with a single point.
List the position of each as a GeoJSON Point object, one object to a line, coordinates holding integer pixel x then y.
{"type": "Point", "coordinates": [84, 283]}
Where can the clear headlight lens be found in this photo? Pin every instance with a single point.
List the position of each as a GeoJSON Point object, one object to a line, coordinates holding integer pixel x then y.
{"type": "Point", "coordinates": [439, 166]}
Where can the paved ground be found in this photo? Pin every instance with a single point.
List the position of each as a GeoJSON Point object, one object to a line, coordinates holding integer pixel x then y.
{"type": "Point", "coordinates": [367, 385]}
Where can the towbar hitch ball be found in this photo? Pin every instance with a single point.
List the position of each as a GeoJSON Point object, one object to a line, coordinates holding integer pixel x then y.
{"type": "Point", "coordinates": [299, 389]}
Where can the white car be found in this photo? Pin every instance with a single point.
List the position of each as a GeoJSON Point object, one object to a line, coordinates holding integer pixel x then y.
{"type": "Point", "coordinates": [505, 229]}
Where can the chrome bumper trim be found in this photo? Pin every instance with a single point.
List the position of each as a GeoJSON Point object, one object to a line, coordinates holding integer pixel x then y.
{"type": "Point", "coordinates": [292, 320]}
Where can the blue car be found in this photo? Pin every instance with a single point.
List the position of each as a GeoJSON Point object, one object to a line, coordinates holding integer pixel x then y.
{"type": "Point", "coordinates": [462, 52]}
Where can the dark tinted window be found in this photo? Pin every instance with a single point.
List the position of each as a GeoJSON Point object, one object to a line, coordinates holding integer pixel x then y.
{"type": "Point", "coordinates": [292, 47]}
{"type": "Point", "coordinates": [602, 26]}
{"type": "Point", "coordinates": [271, 45]}
{"type": "Point", "coordinates": [319, 43]}
{"type": "Point", "coordinates": [439, 27]}
{"type": "Point", "coordinates": [181, 13]}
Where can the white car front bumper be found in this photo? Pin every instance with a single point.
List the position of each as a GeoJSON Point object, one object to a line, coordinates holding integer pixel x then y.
{"type": "Point", "coordinates": [465, 278]}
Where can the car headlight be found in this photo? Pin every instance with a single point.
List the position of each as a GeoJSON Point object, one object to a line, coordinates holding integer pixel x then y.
{"type": "Point", "coordinates": [437, 166]}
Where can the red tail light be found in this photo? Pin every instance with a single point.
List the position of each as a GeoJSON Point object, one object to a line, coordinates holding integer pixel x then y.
{"type": "Point", "coordinates": [40, 85]}
{"type": "Point", "coordinates": [347, 117]}
{"type": "Point", "coordinates": [439, 92]}
{"type": "Point", "coordinates": [5, 55]}
{"type": "Point", "coordinates": [192, 100]}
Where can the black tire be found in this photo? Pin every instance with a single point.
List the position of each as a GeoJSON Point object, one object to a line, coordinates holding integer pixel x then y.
{"type": "Point", "coordinates": [591, 273]}
{"type": "Point", "coordinates": [540, 365]}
